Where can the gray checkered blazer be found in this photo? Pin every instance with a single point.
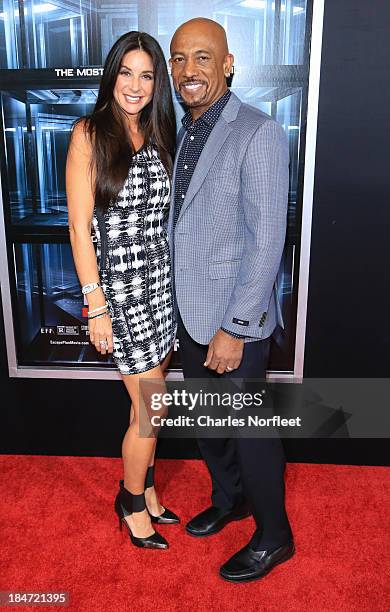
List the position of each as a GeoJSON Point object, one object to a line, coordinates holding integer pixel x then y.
{"type": "Point", "coordinates": [229, 237]}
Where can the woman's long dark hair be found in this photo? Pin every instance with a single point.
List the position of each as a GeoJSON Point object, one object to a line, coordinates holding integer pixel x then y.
{"type": "Point", "coordinates": [112, 148]}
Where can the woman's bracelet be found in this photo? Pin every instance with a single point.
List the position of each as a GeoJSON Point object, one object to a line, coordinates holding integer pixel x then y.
{"type": "Point", "coordinates": [102, 314]}
{"type": "Point", "coordinates": [89, 287]}
{"type": "Point", "coordinates": [97, 309]}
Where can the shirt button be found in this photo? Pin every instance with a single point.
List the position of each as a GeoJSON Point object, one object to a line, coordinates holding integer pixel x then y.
{"type": "Point", "coordinates": [185, 167]}
{"type": "Point", "coordinates": [192, 137]}
{"type": "Point", "coordinates": [183, 196]}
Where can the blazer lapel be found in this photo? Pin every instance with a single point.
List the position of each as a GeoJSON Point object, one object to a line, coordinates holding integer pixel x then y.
{"type": "Point", "coordinates": [211, 149]}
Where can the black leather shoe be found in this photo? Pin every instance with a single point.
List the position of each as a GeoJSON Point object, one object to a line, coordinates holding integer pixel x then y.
{"type": "Point", "coordinates": [248, 564]}
{"type": "Point", "coordinates": [213, 520]}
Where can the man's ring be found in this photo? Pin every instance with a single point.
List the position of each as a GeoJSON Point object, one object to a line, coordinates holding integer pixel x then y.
{"type": "Point", "coordinates": [229, 369]}
{"type": "Point", "coordinates": [103, 343]}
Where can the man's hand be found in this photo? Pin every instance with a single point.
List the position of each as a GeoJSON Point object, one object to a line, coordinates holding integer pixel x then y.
{"type": "Point", "coordinates": [225, 352]}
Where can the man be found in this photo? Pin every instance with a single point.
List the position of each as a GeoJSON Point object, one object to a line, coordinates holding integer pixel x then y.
{"type": "Point", "coordinates": [227, 229]}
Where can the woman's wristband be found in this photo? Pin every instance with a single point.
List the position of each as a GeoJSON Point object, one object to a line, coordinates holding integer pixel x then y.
{"type": "Point", "coordinates": [102, 314]}
{"type": "Point", "coordinates": [97, 309]}
{"type": "Point", "coordinates": [89, 287]}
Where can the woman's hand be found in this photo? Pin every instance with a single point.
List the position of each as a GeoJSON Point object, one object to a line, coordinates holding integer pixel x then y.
{"type": "Point", "coordinates": [100, 330]}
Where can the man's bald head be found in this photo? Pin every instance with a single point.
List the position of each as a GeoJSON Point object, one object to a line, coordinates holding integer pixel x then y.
{"type": "Point", "coordinates": [212, 29]}
{"type": "Point", "coordinates": [200, 63]}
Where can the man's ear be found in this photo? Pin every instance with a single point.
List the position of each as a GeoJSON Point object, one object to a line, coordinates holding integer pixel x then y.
{"type": "Point", "coordinates": [228, 64]}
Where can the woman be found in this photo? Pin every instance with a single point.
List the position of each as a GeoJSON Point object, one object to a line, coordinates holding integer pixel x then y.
{"type": "Point", "coordinates": [117, 180]}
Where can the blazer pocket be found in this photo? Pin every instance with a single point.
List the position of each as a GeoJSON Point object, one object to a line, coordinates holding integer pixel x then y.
{"type": "Point", "coordinates": [224, 269]}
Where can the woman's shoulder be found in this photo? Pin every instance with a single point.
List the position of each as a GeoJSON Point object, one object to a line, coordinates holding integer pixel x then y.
{"type": "Point", "coordinates": [81, 138]}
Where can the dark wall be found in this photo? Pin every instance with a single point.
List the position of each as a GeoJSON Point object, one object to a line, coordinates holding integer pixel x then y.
{"type": "Point", "coordinates": [347, 332]}
{"type": "Point", "coordinates": [349, 298]}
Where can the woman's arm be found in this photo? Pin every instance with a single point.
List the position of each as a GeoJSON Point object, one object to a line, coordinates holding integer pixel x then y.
{"type": "Point", "coordinates": [80, 198]}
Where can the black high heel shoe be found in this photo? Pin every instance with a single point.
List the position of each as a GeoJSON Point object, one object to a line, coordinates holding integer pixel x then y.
{"type": "Point", "coordinates": [167, 517]}
{"type": "Point", "coordinates": [126, 503]}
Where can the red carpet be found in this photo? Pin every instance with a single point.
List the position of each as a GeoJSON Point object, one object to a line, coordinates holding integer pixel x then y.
{"type": "Point", "coordinates": [59, 532]}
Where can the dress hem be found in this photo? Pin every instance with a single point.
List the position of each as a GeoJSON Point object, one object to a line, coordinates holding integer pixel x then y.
{"type": "Point", "coordinates": [149, 368]}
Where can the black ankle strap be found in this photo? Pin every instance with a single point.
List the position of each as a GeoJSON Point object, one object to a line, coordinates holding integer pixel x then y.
{"type": "Point", "coordinates": [139, 502]}
{"type": "Point", "coordinates": [131, 502]}
{"type": "Point", "coordinates": [149, 479]}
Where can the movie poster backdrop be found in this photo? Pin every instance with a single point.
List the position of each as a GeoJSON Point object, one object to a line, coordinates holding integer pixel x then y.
{"type": "Point", "coordinates": [51, 57]}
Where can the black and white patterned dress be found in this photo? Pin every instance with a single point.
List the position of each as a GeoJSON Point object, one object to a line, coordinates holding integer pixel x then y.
{"type": "Point", "coordinates": [134, 265]}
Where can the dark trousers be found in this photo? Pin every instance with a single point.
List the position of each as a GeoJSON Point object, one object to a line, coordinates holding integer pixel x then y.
{"type": "Point", "coordinates": [243, 469]}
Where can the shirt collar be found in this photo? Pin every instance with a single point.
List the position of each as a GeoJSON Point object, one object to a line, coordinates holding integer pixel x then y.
{"type": "Point", "coordinates": [210, 117]}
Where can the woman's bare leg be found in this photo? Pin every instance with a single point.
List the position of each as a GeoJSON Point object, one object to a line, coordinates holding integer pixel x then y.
{"type": "Point", "coordinates": [151, 497]}
{"type": "Point", "coordinates": [137, 450]}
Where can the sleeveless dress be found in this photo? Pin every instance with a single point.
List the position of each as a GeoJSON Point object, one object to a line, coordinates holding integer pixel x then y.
{"type": "Point", "coordinates": [134, 265]}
